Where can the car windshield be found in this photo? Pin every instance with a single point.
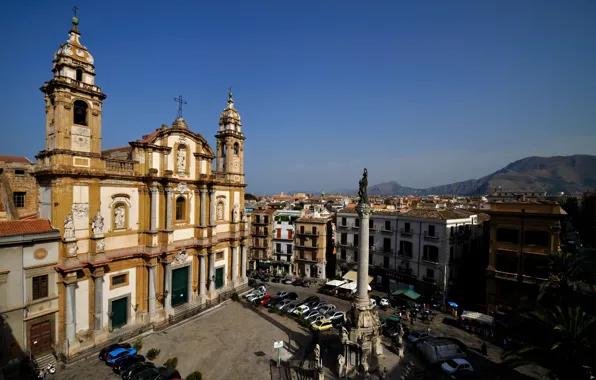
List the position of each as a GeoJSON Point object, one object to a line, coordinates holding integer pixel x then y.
{"type": "Point", "coordinates": [451, 363]}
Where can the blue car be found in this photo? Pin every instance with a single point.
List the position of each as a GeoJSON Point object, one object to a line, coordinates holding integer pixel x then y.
{"type": "Point", "coordinates": [118, 353]}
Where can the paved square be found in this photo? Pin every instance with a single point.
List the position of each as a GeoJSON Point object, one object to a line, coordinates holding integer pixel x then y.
{"type": "Point", "coordinates": [234, 341]}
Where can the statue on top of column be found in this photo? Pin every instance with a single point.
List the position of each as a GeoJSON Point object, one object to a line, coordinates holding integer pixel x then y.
{"type": "Point", "coordinates": [362, 191]}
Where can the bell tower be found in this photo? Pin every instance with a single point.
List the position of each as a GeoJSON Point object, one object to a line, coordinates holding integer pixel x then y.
{"type": "Point", "coordinates": [73, 106]}
{"type": "Point", "coordinates": [230, 143]}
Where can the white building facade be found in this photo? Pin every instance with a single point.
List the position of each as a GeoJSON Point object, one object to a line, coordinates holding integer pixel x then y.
{"type": "Point", "coordinates": [283, 241]}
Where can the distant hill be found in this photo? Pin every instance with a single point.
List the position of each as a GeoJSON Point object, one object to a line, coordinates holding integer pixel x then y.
{"type": "Point", "coordinates": [570, 174]}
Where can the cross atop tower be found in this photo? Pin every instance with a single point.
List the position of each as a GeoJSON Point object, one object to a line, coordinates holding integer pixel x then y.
{"type": "Point", "coordinates": [180, 102]}
{"type": "Point", "coordinates": [74, 9]}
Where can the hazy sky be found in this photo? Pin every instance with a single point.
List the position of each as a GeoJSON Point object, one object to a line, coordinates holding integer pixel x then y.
{"type": "Point", "coordinates": [422, 92]}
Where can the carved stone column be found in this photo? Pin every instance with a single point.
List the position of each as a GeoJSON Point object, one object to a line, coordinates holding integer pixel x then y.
{"type": "Point", "coordinates": [98, 301]}
{"type": "Point", "coordinates": [168, 209]}
{"type": "Point", "coordinates": [234, 263]}
{"type": "Point", "coordinates": [203, 206]}
{"type": "Point", "coordinates": [167, 286]}
{"type": "Point", "coordinates": [212, 216]}
{"type": "Point", "coordinates": [362, 300]}
{"type": "Point", "coordinates": [152, 284]}
{"type": "Point", "coordinates": [70, 310]}
{"type": "Point", "coordinates": [243, 262]}
{"type": "Point", "coordinates": [154, 195]}
{"type": "Point", "coordinates": [211, 271]}
{"type": "Point", "coordinates": [202, 275]}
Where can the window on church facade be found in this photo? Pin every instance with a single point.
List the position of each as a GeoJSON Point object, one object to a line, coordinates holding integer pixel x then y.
{"type": "Point", "coordinates": [80, 112]}
{"type": "Point", "coordinates": [236, 148]}
{"type": "Point", "coordinates": [180, 208]}
{"type": "Point", "coordinates": [79, 75]}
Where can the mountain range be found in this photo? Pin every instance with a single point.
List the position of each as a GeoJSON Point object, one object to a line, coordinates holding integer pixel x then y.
{"type": "Point", "coordinates": [569, 174]}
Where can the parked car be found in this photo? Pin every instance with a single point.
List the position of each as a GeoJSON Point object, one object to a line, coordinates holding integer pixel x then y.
{"type": "Point", "coordinates": [272, 302]}
{"type": "Point", "coordinates": [297, 282]}
{"type": "Point", "coordinates": [415, 336]}
{"type": "Point", "coordinates": [292, 306]}
{"type": "Point", "coordinates": [292, 295]}
{"type": "Point", "coordinates": [283, 304]}
{"type": "Point", "coordinates": [300, 310]}
{"type": "Point", "coordinates": [310, 314]}
{"type": "Point", "coordinates": [149, 373]}
{"type": "Point", "coordinates": [252, 282]}
{"type": "Point", "coordinates": [259, 288]}
{"type": "Point", "coordinates": [335, 315]}
{"type": "Point", "coordinates": [265, 299]}
{"type": "Point", "coordinates": [384, 302]}
{"type": "Point", "coordinates": [326, 308]}
{"type": "Point", "coordinates": [282, 294]}
{"type": "Point", "coordinates": [456, 365]}
{"type": "Point", "coordinates": [118, 353]}
{"type": "Point", "coordinates": [276, 279]}
{"type": "Point", "coordinates": [317, 305]}
{"type": "Point", "coordinates": [104, 351]}
{"type": "Point", "coordinates": [322, 325]}
{"type": "Point", "coordinates": [287, 281]}
{"type": "Point", "coordinates": [126, 361]}
{"type": "Point", "coordinates": [255, 297]}
{"type": "Point", "coordinates": [316, 318]}
{"type": "Point", "coordinates": [169, 374]}
{"type": "Point", "coordinates": [310, 299]}
{"type": "Point", "coordinates": [305, 283]}
{"type": "Point", "coordinates": [129, 372]}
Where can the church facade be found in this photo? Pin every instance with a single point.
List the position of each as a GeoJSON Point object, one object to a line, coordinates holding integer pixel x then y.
{"type": "Point", "coordinates": [147, 229]}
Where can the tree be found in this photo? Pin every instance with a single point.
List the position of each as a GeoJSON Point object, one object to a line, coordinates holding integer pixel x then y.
{"type": "Point", "coordinates": [565, 280]}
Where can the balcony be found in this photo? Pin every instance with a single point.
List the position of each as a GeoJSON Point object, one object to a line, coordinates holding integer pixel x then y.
{"type": "Point", "coordinates": [306, 233]}
{"type": "Point", "coordinates": [406, 271]}
{"type": "Point", "coordinates": [260, 233]}
{"type": "Point", "coordinates": [344, 226]}
{"type": "Point", "coordinates": [119, 166]}
{"type": "Point", "coordinates": [386, 251]}
{"type": "Point", "coordinates": [309, 260]}
{"type": "Point", "coordinates": [384, 231]}
{"type": "Point", "coordinates": [429, 260]}
{"type": "Point", "coordinates": [302, 245]}
{"type": "Point", "coordinates": [505, 275]}
{"type": "Point", "coordinates": [281, 253]}
{"type": "Point", "coordinates": [405, 255]}
{"type": "Point", "coordinates": [533, 280]}
{"type": "Point", "coordinates": [430, 280]}
{"type": "Point", "coordinates": [348, 245]}
{"type": "Point", "coordinates": [406, 233]}
{"type": "Point", "coordinates": [430, 237]}
{"type": "Point", "coordinates": [260, 222]}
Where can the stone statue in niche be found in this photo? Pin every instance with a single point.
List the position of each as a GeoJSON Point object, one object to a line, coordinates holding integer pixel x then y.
{"type": "Point", "coordinates": [236, 213]}
{"type": "Point", "coordinates": [220, 211]}
{"type": "Point", "coordinates": [181, 163]}
{"type": "Point", "coordinates": [119, 216]}
{"type": "Point", "coordinates": [69, 227]}
{"type": "Point", "coordinates": [100, 246]}
{"type": "Point", "coordinates": [97, 224]}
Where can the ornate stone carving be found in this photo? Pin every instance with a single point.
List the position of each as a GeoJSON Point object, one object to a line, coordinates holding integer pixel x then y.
{"type": "Point", "coordinates": [220, 211]}
{"type": "Point", "coordinates": [317, 355]}
{"type": "Point", "coordinates": [244, 216]}
{"type": "Point", "coordinates": [97, 224]}
{"type": "Point", "coordinates": [72, 249]}
{"type": "Point", "coordinates": [80, 210]}
{"type": "Point", "coordinates": [69, 227]}
{"type": "Point", "coordinates": [120, 216]}
{"type": "Point", "coordinates": [363, 188]}
{"type": "Point", "coordinates": [100, 245]}
{"type": "Point", "coordinates": [235, 213]}
{"type": "Point", "coordinates": [182, 187]}
{"type": "Point", "coordinates": [181, 256]}
{"type": "Point", "coordinates": [344, 335]}
{"type": "Point", "coordinates": [181, 160]}
{"type": "Point", "coordinates": [340, 365]}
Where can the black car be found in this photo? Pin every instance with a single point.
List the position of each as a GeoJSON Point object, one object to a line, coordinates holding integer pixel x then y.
{"type": "Point", "coordinates": [121, 364]}
{"type": "Point", "coordinates": [134, 369]}
{"type": "Point", "coordinates": [297, 282]}
{"type": "Point", "coordinates": [107, 349]}
{"type": "Point", "coordinates": [273, 301]}
{"type": "Point", "coordinates": [149, 373]}
{"type": "Point", "coordinates": [291, 296]}
{"type": "Point", "coordinates": [311, 298]}
{"type": "Point", "coordinates": [276, 279]}
{"type": "Point", "coordinates": [169, 374]}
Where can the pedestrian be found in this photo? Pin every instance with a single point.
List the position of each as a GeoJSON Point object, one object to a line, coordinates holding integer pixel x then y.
{"type": "Point", "coordinates": [384, 373]}
{"type": "Point", "coordinates": [428, 329]}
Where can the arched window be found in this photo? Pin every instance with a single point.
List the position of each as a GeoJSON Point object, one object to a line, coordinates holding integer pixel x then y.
{"type": "Point", "coordinates": [180, 208]}
{"type": "Point", "coordinates": [79, 75]}
{"type": "Point", "coordinates": [236, 148]}
{"type": "Point", "coordinates": [80, 112]}
{"type": "Point", "coordinates": [120, 216]}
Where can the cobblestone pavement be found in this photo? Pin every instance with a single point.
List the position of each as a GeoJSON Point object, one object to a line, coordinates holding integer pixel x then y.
{"type": "Point", "coordinates": [232, 342]}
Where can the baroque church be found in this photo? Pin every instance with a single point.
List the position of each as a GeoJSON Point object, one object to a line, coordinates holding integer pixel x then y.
{"type": "Point", "coordinates": [147, 230]}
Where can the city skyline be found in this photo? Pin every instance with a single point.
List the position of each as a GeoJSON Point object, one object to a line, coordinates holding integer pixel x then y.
{"type": "Point", "coordinates": [424, 94]}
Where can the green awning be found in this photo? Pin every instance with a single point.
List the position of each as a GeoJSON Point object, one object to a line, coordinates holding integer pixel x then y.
{"type": "Point", "coordinates": [407, 293]}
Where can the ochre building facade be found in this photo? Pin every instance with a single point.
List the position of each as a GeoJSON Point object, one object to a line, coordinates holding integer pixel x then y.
{"type": "Point", "coordinates": [147, 229]}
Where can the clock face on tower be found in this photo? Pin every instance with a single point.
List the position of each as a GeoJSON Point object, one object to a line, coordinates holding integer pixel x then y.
{"type": "Point", "coordinates": [235, 164]}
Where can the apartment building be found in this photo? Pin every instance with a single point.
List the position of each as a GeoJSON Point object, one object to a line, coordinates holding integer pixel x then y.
{"type": "Point", "coordinates": [283, 241]}
{"type": "Point", "coordinates": [18, 188]}
{"type": "Point", "coordinates": [261, 246]}
{"type": "Point", "coordinates": [418, 249]}
{"type": "Point", "coordinates": [314, 245]}
{"type": "Point", "coordinates": [522, 235]}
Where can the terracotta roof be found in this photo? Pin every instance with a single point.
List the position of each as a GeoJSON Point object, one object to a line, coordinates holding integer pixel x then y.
{"type": "Point", "coordinates": [148, 137]}
{"type": "Point", "coordinates": [482, 217]}
{"type": "Point", "coordinates": [24, 227]}
{"type": "Point", "coordinates": [439, 214]}
{"type": "Point", "coordinates": [268, 211]}
{"type": "Point", "coordinates": [22, 160]}
{"type": "Point", "coordinates": [123, 148]}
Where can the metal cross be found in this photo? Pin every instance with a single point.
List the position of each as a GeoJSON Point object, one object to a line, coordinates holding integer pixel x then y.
{"type": "Point", "coordinates": [230, 88]}
{"type": "Point", "coordinates": [180, 103]}
{"type": "Point", "coordinates": [74, 9]}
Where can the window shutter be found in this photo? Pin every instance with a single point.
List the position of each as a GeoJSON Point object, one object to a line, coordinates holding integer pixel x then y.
{"type": "Point", "coordinates": [43, 286]}
{"type": "Point", "coordinates": [35, 287]}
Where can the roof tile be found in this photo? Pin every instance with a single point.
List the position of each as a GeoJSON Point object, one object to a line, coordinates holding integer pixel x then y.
{"type": "Point", "coordinates": [24, 227]}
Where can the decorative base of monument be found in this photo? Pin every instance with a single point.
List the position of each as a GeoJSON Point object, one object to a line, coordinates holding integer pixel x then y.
{"type": "Point", "coordinates": [362, 345]}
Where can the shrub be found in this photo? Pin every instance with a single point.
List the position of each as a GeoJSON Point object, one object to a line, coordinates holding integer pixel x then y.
{"type": "Point", "coordinates": [196, 375]}
{"type": "Point", "coordinates": [273, 310]}
{"type": "Point", "coordinates": [171, 363]}
{"type": "Point", "coordinates": [235, 297]}
{"type": "Point", "coordinates": [153, 353]}
{"type": "Point", "coordinates": [138, 344]}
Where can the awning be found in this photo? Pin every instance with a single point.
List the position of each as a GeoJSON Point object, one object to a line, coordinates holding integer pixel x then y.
{"type": "Point", "coordinates": [335, 283]}
{"type": "Point", "coordinates": [479, 317]}
{"type": "Point", "coordinates": [351, 286]}
{"type": "Point", "coordinates": [353, 276]}
{"type": "Point", "coordinates": [406, 293]}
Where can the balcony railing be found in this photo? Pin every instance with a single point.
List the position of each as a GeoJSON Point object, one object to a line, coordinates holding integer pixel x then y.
{"type": "Point", "coordinates": [307, 233]}
{"type": "Point", "coordinates": [430, 237]}
{"type": "Point", "coordinates": [344, 226]}
{"type": "Point", "coordinates": [348, 245]}
{"type": "Point", "coordinates": [281, 253]}
{"type": "Point", "coordinates": [406, 271]}
{"type": "Point", "coordinates": [383, 230]}
{"type": "Point", "coordinates": [303, 245]}
{"type": "Point", "coordinates": [405, 254]}
{"type": "Point", "coordinates": [259, 233]}
{"type": "Point", "coordinates": [404, 232]}
{"type": "Point", "coordinates": [429, 261]}
{"type": "Point", "coordinates": [260, 222]}
{"type": "Point", "coordinates": [430, 280]}
{"type": "Point", "coordinates": [381, 250]}
{"type": "Point", "coordinates": [534, 280]}
{"type": "Point", "coordinates": [505, 275]}
{"type": "Point", "coordinates": [119, 166]}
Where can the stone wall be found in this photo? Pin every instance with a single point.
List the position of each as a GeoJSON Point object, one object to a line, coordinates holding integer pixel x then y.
{"type": "Point", "coordinates": [12, 181]}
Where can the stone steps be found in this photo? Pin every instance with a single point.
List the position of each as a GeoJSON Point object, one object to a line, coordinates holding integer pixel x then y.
{"type": "Point", "coordinates": [44, 360]}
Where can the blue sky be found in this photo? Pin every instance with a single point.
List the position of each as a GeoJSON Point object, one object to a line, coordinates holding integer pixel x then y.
{"type": "Point", "coordinates": [422, 92]}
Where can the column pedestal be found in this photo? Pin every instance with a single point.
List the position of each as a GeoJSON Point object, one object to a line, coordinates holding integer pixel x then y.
{"type": "Point", "coordinates": [168, 289]}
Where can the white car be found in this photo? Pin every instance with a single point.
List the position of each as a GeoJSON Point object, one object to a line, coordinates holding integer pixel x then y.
{"type": "Point", "coordinates": [316, 318]}
{"type": "Point", "coordinates": [326, 309]}
{"type": "Point", "coordinates": [282, 294]}
{"type": "Point", "coordinates": [335, 314]}
{"type": "Point", "coordinates": [292, 306]}
{"type": "Point", "coordinates": [283, 304]}
{"type": "Point", "coordinates": [456, 365]}
{"type": "Point", "coordinates": [260, 289]}
{"type": "Point", "coordinates": [384, 302]}
{"type": "Point", "coordinates": [373, 303]}
{"type": "Point", "coordinates": [300, 310]}
{"type": "Point", "coordinates": [415, 336]}
{"type": "Point", "coordinates": [256, 296]}
{"type": "Point", "coordinates": [309, 315]}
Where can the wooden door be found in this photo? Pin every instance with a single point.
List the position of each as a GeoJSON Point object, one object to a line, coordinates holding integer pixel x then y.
{"type": "Point", "coordinates": [40, 338]}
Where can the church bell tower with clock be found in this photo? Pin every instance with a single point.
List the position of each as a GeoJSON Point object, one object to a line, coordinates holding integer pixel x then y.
{"type": "Point", "coordinates": [230, 143]}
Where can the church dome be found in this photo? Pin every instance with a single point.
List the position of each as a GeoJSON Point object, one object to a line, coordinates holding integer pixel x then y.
{"type": "Point", "coordinates": [179, 123]}
{"type": "Point", "coordinates": [73, 48]}
{"type": "Point", "coordinates": [229, 114]}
